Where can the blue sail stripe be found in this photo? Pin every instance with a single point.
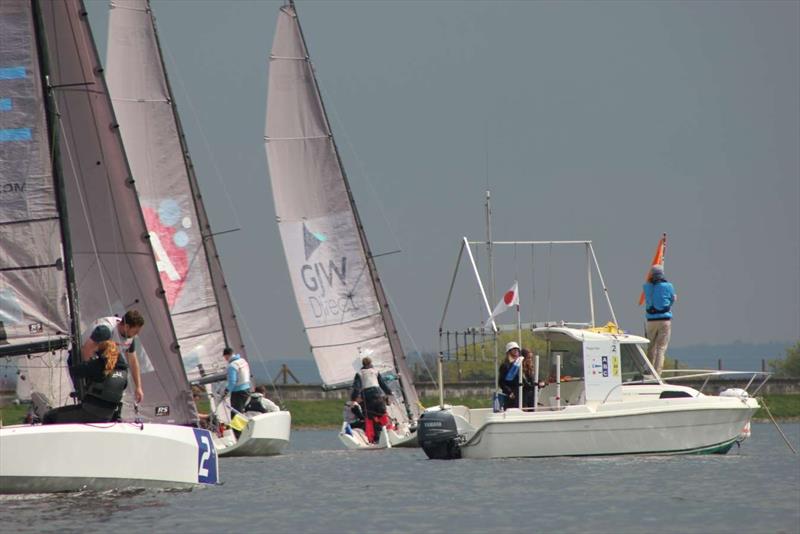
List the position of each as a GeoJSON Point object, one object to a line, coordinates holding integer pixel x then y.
{"type": "Point", "coordinates": [5, 104]}
{"type": "Point", "coordinates": [12, 73]}
{"type": "Point", "coordinates": [15, 134]}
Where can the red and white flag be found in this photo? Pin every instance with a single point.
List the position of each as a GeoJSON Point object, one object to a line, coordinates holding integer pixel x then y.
{"type": "Point", "coordinates": [509, 300]}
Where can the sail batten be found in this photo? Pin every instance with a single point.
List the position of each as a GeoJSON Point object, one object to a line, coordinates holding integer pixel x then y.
{"type": "Point", "coordinates": [340, 298]}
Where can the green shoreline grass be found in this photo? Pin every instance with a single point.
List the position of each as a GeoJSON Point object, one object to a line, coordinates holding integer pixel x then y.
{"type": "Point", "coordinates": [328, 413]}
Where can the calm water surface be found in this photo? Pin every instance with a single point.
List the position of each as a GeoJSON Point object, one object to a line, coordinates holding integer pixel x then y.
{"type": "Point", "coordinates": [318, 487]}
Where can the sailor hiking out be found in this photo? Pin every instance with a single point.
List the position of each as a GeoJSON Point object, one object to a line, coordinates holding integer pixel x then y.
{"type": "Point", "coordinates": [106, 377]}
{"type": "Point", "coordinates": [122, 332]}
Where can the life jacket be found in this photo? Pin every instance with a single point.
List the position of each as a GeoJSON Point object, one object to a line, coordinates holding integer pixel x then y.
{"type": "Point", "coordinates": [369, 378]}
{"type": "Point", "coordinates": [242, 371]}
{"type": "Point", "coordinates": [111, 388]}
{"type": "Point", "coordinates": [659, 299]}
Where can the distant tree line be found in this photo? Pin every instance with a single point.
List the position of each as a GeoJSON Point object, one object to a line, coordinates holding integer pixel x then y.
{"type": "Point", "coordinates": [789, 366]}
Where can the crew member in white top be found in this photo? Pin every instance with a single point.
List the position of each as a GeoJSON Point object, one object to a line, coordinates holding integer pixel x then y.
{"type": "Point", "coordinates": [123, 332]}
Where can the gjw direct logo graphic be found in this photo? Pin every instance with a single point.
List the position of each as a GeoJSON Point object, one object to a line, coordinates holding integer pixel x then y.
{"type": "Point", "coordinates": [169, 236]}
{"type": "Point", "coordinates": [331, 297]}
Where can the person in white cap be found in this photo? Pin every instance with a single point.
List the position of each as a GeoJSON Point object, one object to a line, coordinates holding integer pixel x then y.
{"type": "Point", "coordinates": [659, 297]}
{"type": "Point", "coordinates": [508, 375]}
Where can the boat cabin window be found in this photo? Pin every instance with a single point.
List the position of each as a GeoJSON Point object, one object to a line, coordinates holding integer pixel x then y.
{"type": "Point", "coordinates": [634, 368]}
{"type": "Point", "coordinates": [571, 359]}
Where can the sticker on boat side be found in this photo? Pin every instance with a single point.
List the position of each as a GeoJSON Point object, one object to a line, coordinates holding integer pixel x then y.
{"type": "Point", "coordinates": [206, 457]}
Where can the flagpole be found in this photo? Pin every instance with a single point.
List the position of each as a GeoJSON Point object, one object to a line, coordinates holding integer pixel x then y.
{"type": "Point", "coordinates": [519, 341]}
{"type": "Point", "coordinates": [491, 278]}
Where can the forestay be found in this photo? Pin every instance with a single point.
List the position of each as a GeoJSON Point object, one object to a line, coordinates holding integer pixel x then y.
{"type": "Point", "coordinates": [335, 282]}
{"type": "Point", "coordinates": [113, 258]}
{"type": "Point", "coordinates": [186, 256]}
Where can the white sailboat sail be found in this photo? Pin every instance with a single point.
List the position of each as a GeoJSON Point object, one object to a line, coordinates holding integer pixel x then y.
{"type": "Point", "coordinates": [102, 244]}
{"type": "Point", "coordinates": [190, 268]}
{"type": "Point", "coordinates": [336, 285]}
{"type": "Point", "coordinates": [34, 315]}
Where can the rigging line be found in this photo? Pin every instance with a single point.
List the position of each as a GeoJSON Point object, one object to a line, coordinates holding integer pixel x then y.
{"type": "Point", "coordinates": [84, 42]}
{"type": "Point", "coordinates": [549, 277]}
{"type": "Point", "coordinates": [89, 47]}
{"type": "Point", "coordinates": [306, 138]}
{"type": "Point", "coordinates": [476, 255]}
{"type": "Point", "coordinates": [85, 213]}
{"type": "Point", "coordinates": [329, 102]}
{"type": "Point", "coordinates": [343, 322]}
{"type": "Point", "coordinates": [533, 288]}
{"type": "Point", "coordinates": [254, 344]}
{"type": "Point", "coordinates": [212, 158]}
{"type": "Point", "coordinates": [348, 343]}
{"type": "Point", "coordinates": [408, 333]}
{"type": "Point", "coordinates": [29, 221]}
{"type": "Point", "coordinates": [142, 100]}
{"type": "Point", "coordinates": [114, 5]}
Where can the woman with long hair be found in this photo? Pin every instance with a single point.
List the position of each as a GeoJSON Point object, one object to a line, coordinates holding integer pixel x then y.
{"type": "Point", "coordinates": [105, 376]}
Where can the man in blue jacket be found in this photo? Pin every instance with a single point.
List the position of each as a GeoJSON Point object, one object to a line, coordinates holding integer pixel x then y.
{"type": "Point", "coordinates": [238, 381]}
{"type": "Point", "coordinates": [659, 298]}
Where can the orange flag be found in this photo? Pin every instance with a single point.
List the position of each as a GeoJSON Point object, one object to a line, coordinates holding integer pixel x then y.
{"type": "Point", "coordinates": [658, 259]}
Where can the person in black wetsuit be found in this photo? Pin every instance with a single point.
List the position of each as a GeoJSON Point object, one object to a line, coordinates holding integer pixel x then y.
{"type": "Point", "coordinates": [106, 374]}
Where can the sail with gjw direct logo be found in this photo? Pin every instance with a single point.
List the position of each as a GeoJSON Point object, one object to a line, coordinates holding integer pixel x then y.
{"type": "Point", "coordinates": [341, 301]}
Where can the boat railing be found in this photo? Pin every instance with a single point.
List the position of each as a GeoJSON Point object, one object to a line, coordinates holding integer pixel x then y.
{"type": "Point", "coordinates": [698, 373]}
{"type": "Point", "coordinates": [709, 373]}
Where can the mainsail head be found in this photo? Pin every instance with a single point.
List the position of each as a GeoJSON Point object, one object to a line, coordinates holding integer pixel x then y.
{"type": "Point", "coordinates": [341, 301]}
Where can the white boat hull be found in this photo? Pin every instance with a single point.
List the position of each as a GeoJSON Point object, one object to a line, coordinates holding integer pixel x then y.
{"type": "Point", "coordinates": [679, 426]}
{"type": "Point", "coordinates": [357, 439]}
{"type": "Point", "coordinates": [76, 457]}
{"type": "Point", "coordinates": [266, 434]}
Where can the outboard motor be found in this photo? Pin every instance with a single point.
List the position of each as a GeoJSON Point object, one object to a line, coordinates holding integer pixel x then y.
{"type": "Point", "coordinates": [438, 435]}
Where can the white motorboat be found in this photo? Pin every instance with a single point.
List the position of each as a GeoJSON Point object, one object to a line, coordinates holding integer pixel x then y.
{"type": "Point", "coordinates": [340, 296]}
{"type": "Point", "coordinates": [75, 457]}
{"type": "Point", "coordinates": [602, 397]}
{"type": "Point", "coordinates": [188, 260]}
{"type": "Point", "coordinates": [632, 412]}
{"type": "Point", "coordinates": [73, 248]}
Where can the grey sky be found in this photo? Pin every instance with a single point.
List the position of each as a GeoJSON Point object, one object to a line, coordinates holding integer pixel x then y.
{"type": "Point", "coordinates": [609, 121]}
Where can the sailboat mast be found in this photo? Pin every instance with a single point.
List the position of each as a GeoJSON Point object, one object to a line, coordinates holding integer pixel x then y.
{"type": "Point", "coordinates": [227, 317]}
{"type": "Point", "coordinates": [58, 179]}
{"type": "Point", "coordinates": [410, 394]}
